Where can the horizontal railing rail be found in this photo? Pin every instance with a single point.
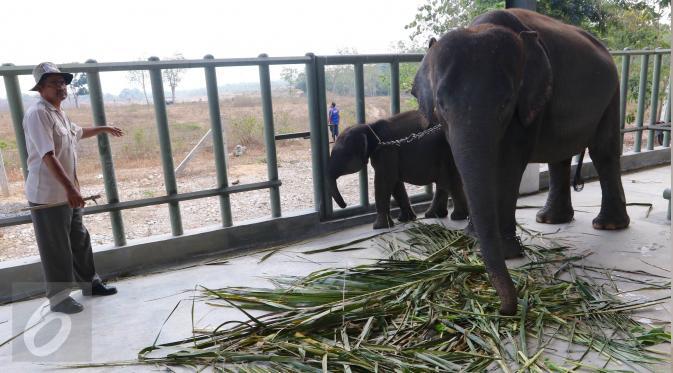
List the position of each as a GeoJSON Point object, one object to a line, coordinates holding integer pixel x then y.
{"type": "Point", "coordinates": [8, 69]}
{"type": "Point", "coordinates": [180, 197]}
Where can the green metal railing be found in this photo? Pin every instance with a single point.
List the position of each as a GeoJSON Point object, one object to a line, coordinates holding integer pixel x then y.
{"type": "Point", "coordinates": [173, 198]}
{"type": "Point", "coordinates": [654, 84]}
{"type": "Point", "coordinates": [315, 67]}
{"type": "Point", "coordinates": [358, 62]}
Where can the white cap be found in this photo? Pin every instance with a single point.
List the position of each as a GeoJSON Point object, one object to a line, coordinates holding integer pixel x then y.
{"type": "Point", "coordinates": [48, 68]}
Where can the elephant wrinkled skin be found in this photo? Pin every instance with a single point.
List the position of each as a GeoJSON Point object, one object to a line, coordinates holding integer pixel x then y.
{"type": "Point", "coordinates": [421, 162]}
{"type": "Point", "coordinates": [517, 87]}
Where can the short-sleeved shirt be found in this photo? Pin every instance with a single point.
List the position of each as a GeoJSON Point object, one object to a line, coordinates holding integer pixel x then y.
{"type": "Point", "coordinates": [334, 115]}
{"type": "Point", "coordinates": [48, 129]}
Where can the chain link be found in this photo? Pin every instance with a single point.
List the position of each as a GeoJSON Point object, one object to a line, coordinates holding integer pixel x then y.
{"type": "Point", "coordinates": [411, 138]}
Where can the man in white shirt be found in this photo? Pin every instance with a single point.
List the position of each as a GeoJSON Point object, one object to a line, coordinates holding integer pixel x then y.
{"type": "Point", "coordinates": [63, 241]}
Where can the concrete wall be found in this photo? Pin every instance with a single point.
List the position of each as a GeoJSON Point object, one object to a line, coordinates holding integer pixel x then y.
{"type": "Point", "coordinates": [22, 278]}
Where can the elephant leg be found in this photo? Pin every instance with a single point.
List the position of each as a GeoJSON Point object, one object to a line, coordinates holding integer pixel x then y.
{"type": "Point", "coordinates": [604, 149]}
{"type": "Point", "coordinates": [460, 210]}
{"type": "Point", "coordinates": [439, 206]}
{"type": "Point", "coordinates": [511, 168]}
{"type": "Point", "coordinates": [382, 192]}
{"type": "Point", "coordinates": [558, 209]}
{"type": "Point", "coordinates": [400, 195]}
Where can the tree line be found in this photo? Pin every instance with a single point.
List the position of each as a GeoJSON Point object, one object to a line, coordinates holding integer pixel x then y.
{"type": "Point", "coordinates": [617, 23]}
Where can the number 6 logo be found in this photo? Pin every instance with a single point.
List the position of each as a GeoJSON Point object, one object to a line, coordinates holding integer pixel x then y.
{"type": "Point", "coordinates": [38, 321]}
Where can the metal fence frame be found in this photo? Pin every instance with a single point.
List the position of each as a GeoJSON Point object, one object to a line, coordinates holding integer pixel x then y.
{"type": "Point", "coordinates": [317, 110]}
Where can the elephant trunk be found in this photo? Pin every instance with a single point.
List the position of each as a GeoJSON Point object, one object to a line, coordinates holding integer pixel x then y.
{"type": "Point", "coordinates": [335, 193]}
{"type": "Point", "coordinates": [475, 155]}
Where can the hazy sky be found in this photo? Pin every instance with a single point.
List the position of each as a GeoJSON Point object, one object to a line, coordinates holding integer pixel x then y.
{"type": "Point", "coordinates": [123, 30]}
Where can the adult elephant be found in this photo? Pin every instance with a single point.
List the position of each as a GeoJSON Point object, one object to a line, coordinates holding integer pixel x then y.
{"type": "Point", "coordinates": [420, 162]}
{"type": "Point", "coordinates": [517, 87]}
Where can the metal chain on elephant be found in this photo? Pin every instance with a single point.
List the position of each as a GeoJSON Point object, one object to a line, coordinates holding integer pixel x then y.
{"type": "Point", "coordinates": [409, 139]}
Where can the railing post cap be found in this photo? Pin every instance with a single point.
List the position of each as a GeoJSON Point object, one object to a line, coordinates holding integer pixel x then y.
{"type": "Point", "coordinates": [91, 60]}
{"type": "Point", "coordinates": [208, 57]}
{"type": "Point", "coordinates": [310, 54]}
{"type": "Point", "coordinates": [153, 58]}
{"type": "Point", "coordinates": [263, 55]}
{"type": "Point", "coordinates": [627, 49]}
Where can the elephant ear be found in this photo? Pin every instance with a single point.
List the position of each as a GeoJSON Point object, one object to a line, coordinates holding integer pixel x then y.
{"type": "Point", "coordinates": [422, 87]}
{"type": "Point", "coordinates": [536, 85]}
{"type": "Point", "coordinates": [364, 151]}
{"type": "Point", "coordinates": [423, 92]}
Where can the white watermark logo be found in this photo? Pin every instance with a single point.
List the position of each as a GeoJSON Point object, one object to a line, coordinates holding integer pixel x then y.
{"type": "Point", "coordinates": [40, 335]}
{"type": "Point", "coordinates": [40, 318]}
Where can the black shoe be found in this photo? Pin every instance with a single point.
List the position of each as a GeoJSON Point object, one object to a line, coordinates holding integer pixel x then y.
{"type": "Point", "coordinates": [68, 305]}
{"type": "Point", "coordinates": [99, 288]}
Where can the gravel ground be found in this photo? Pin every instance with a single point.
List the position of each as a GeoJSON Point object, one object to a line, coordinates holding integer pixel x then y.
{"type": "Point", "coordinates": [296, 193]}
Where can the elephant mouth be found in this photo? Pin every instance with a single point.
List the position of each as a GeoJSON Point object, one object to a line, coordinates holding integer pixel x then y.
{"type": "Point", "coordinates": [336, 194]}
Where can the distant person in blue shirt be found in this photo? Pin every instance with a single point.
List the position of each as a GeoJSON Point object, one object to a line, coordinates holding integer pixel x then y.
{"type": "Point", "coordinates": [334, 121]}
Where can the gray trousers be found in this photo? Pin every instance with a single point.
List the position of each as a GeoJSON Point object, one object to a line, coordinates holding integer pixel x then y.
{"type": "Point", "coordinates": [65, 250]}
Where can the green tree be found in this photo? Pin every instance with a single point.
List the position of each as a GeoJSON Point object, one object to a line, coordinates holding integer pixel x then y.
{"type": "Point", "coordinates": [618, 23]}
{"type": "Point", "coordinates": [294, 78]}
{"type": "Point", "coordinates": [174, 76]}
{"type": "Point", "coordinates": [79, 87]}
{"type": "Point", "coordinates": [140, 78]}
{"type": "Point", "coordinates": [436, 17]}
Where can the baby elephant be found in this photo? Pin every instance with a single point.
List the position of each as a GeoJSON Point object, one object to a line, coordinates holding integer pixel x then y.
{"type": "Point", "coordinates": [423, 161]}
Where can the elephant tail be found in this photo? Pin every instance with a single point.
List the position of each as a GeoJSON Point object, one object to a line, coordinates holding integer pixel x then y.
{"type": "Point", "coordinates": [578, 182]}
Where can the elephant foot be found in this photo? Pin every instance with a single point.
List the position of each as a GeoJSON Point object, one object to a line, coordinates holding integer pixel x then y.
{"type": "Point", "coordinates": [508, 306]}
{"type": "Point", "coordinates": [458, 214]}
{"type": "Point", "coordinates": [436, 213]}
{"type": "Point", "coordinates": [383, 221]}
{"type": "Point", "coordinates": [512, 247]}
{"type": "Point", "coordinates": [611, 222]}
{"type": "Point", "coordinates": [406, 215]}
{"type": "Point", "coordinates": [555, 215]}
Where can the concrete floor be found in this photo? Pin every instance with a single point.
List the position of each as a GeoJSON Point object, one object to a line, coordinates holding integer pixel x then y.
{"type": "Point", "coordinates": [116, 328]}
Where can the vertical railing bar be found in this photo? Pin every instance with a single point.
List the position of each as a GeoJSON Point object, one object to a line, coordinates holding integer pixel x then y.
{"type": "Point", "coordinates": [623, 94]}
{"type": "Point", "coordinates": [642, 90]}
{"type": "Point", "coordinates": [219, 150]}
{"type": "Point", "coordinates": [314, 126]}
{"type": "Point", "coordinates": [654, 105]}
{"type": "Point", "coordinates": [321, 91]}
{"type": "Point", "coordinates": [394, 87]}
{"type": "Point", "coordinates": [269, 134]}
{"type": "Point", "coordinates": [165, 146]}
{"type": "Point", "coordinates": [667, 113]}
{"type": "Point", "coordinates": [105, 154]}
{"type": "Point", "coordinates": [360, 118]}
{"type": "Point", "coordinates": [15, 102]}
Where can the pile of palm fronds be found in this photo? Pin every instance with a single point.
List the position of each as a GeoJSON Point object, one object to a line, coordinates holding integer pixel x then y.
{"type": "Point", "coordinates": [430, 307]}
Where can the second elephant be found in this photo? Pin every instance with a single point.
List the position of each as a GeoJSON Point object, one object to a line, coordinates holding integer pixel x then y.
{"type": "Point", "coordinates": [421, 162]}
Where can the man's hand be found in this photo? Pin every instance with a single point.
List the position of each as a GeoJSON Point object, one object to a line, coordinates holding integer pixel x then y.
{"type": "Point", "coordinates": [93, 131]}
{"type": "Point", "coordinates": [75, 198]}
{"type": "Point", "coordinates": [114, 131]}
